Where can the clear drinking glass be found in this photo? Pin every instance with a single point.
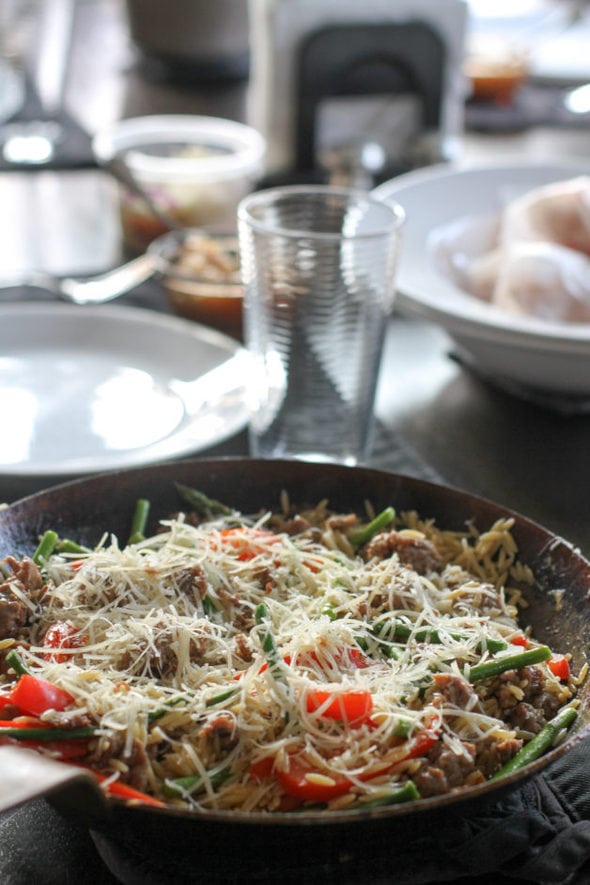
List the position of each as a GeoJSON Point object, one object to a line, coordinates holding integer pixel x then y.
{"type": "Point", "coordinates": [318, 267]}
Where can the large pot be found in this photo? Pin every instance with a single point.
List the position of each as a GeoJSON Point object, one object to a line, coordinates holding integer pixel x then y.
{"type": "Point", "coordinates": [228, 846]}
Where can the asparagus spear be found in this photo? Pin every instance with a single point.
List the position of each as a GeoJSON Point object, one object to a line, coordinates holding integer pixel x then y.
{"type": "Point", "coordinates": [430, 634]}
{"type": "Point", "coordinates": [139, 521]}
{"type": "Point", "coordinates": [268, 642]}
{"type": "Point", "coordinates": [540, 743]}
{"type": "Point", "coordinates": [364, 534]}
{"type": "Point", "coordinates": [14, 660]}
{"type": "Point", "coordinates": [46, 547]}
{"type": "Point", "coordinates": [405, 793]}
{"type": "Point", "coordinates": [194, 783]}
{"type": "Point", "coordinates": [495, 666]}
{"type": "Point", "coordinates": [67, 546]}
{"type": "Point", "coordinates": [198, 501]}
{"type": "Point", "coordinates": [46, 734]}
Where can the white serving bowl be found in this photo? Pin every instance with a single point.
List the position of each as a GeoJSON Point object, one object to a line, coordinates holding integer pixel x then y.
{"type": "Point", "coordinates": [521, 352]}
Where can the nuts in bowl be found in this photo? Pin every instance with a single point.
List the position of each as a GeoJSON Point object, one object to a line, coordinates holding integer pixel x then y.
{"type": "Point", "coordinates": [201, 276]}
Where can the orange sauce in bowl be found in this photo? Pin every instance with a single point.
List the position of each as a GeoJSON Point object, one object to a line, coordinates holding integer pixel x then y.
{"type": "Point", "coordinates": [497, 85]}
{"type": "Point", "coordinates": [495, 71]}
{"type": "Point", "coordinates": [208, 304]}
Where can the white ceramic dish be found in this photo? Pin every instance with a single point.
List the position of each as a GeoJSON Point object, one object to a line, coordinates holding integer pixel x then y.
{"type": "Point", "coordinates": [101, 388]}
{"type": "Point", "coordinates": [515, 350]}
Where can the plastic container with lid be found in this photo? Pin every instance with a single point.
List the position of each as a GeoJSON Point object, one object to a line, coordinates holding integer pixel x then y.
{"type": "Point", "coordinates": [196, 168]}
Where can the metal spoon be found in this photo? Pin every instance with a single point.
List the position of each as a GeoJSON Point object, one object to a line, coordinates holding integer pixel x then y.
{"type": "Point", "coordinates": [91, 290]}
{"type": "Point", "coordinates": [119, 169]}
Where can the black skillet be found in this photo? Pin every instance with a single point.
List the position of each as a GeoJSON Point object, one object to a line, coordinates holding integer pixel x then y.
{"type": "Point", "coordinates": [230, 847]}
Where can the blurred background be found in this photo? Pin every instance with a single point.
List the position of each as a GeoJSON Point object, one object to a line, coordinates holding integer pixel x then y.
{"type": "Point", "coordinates": [338, 93]}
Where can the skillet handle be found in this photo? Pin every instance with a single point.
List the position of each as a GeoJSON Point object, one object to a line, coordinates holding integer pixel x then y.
{"type": "Point", "coordinates": [26, 775]}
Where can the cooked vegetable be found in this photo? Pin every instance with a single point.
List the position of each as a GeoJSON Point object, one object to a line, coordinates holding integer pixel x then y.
{"type": "Point", "coordinates": [401, 631]}
{"type": "Point", "coordinates": [194, 783]}
{"type": "Point", "coordinates": [495, 666]}
{"type": "Point", "coordinates": [559, 666]}
{"type": "Point", "coordinates": [35, 696]}
{"type": "Point", "coordinates": [45, 548]}
{"type": "Point", "coordinates": [64, 545]}
{"type": "Point", "coordinates": [124, 791]}
{"type": "Point", "coordinates": [14, 660]}
{"type": "Point", "coordinates": [269, 646]}
{"type": "Point", "coordinates": [247, 542]}
{"type": "Point", "coordinates": [200, 503]}
{"type": "Point", "coordinates": [352, 706]}
{"type": "Point", "coordinates": [540, 743]}
{"type": "Point", "coordinates": [139, 521]}
{"type": "Point", "coordinates": [42, 733]}
{"type": "Point", "coordinates": [301, 781]}
{"type": "Point", "coordinates": [62, 635]}
{"type": "Point", "coordinates": [381, 521]}
{"type": "Point", "coordinates": [406, 793]}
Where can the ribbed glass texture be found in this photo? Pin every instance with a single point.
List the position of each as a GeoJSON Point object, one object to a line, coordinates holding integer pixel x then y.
{"type": "Point", "coordinates": [318, 266]}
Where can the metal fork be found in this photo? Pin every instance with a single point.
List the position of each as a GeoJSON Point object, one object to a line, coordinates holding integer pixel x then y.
{"type": "Point", "coordinates": [90, 290]}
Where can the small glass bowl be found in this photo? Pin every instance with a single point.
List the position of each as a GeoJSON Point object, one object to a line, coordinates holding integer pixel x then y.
{"type": "Point", "coordinates": [200, 273]}
{"type": "Point", "coordinates": [495, 69]}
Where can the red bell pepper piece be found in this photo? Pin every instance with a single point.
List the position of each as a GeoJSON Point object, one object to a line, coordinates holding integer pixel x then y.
{"type": "Point", "coordinates": [62, 635]}
{"type": "Point", "coordinates": [35, 696]}
{"type": "Point", "coordinates": [262, 768]}
{"type": "Point", "coordinates": [247, 542]}
{"type": "Point", "coordinates": [124, 791]}
{"type": "Point", "coordinates": [63, 748]}
{"type": "Point", "coordinates": [345, 658]}
{"type": "Point", "coordinates": [519, 640]}
{"type": "Point", "coordinates": [351, 656]}
{"type": "Point", "coordinates": [559, 666]}
{"type": "Point", "coordinates": [351, 706]}
{"type": "Point", "coordinates": [357, 658]}
{"type": "Point", "coordinates": [302, 782]}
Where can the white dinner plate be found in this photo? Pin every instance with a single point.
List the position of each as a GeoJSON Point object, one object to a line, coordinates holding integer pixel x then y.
{"type": "Point", "coordinates": [86, 389]}
{"type": "Point", "coordinates": [538, 354]}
